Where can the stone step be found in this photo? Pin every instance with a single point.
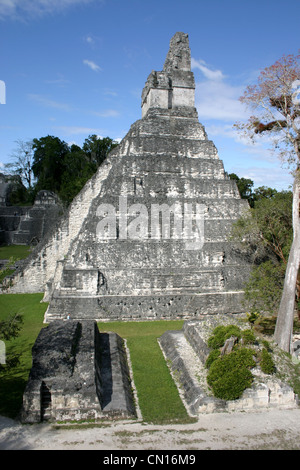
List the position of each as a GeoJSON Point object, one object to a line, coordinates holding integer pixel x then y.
{"type": "Point", "coordinates": [187, 367]}
{"type": "Point", "coordinates": [143, 307]}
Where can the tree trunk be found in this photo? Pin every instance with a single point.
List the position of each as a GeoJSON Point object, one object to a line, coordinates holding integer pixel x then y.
{"type": "Point", "coordinates": [284, 324]}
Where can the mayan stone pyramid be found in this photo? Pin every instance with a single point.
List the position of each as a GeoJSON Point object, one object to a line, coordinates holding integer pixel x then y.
{"type": "Point", "coordinates": [148, 236]}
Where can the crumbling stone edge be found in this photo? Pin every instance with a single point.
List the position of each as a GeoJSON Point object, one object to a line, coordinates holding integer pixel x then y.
{"type": "Point", "coordinates": [185, 352]}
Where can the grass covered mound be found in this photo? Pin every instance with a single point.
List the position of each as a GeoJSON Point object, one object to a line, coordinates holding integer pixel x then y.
{"type": "Point", "coordinates": [230, 368]}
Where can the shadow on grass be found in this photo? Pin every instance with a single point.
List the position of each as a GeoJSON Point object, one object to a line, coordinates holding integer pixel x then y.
{"type": "Point", "coordinates": [11, 396]}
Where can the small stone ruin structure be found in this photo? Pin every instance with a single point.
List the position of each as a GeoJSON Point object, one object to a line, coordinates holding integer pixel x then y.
{"type": "Point", "coordinates": [27, 225]}
{"type": "Point", "coordinates": [77, 373]}
{"type": "Point", "coordinates": [186, 352]}
{"type": "Point", "coordinates": [8, 184]}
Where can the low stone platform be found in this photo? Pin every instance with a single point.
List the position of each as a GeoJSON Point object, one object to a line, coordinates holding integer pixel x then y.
{"type": "Point", "coordinates": [186, 352]}
{"type": "Point", "coordinates": [77, 373]}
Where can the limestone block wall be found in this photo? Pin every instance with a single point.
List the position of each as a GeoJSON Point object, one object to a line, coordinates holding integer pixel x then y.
{"type": "Point", "coordinates": [22, 225]}
{"type": "Point", "coordinates": [41, 265]}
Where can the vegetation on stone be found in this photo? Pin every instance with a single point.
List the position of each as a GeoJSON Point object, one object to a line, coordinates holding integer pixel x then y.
{"type": "Point", "coordinates": [221, 333]}
{"type": "Point", "coordinates": [230, 374]}
{"type": "Point", "coordinates": [266, 362]}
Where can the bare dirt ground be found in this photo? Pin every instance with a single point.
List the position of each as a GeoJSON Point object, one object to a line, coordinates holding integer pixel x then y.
{"type": "Point", "coordinates": [264, 430]}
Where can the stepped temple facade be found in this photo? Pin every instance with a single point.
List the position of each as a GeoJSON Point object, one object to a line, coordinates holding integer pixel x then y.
{"type": "Point", "coordinates": [148, 235]}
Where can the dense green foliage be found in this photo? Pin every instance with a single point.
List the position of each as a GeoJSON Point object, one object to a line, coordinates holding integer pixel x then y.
{"type": "Point", "coordinates": [57, 166]}
{"type": "Point", "coordinates": [245, 187]}
{"type": "Point", "coordinates": [265, 233]}
{"type": "Point", "coordinates": [221, 333]}
{"type": "Point", "coordinates": [230, 374]}
{"type": "Point", "coordinates": [266, 363]}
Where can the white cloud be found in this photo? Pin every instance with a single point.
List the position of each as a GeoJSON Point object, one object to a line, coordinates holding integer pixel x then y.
{"type": "Point", "coordinates": [76, 130]}
{"type": "Point", "coordinates": [216, 98]}
{"type": "Point", "coordinates": [44, 101]}
{"type": "Point", "coordinates": [272, 177]}
{"type": "Point", "coordinates": [218, 105]}
{"type": "Point", "coordinates": [92, 65]}
{"type": "Point", "coordinates": [208, 73]}
{"type": "Point", "coordinates": [92, 40]}
{"type": "Point", "coordinates": [61, 81]}
{"type": "Point", "coordinates": [16, 9]}
{"type": "Point", "coordinates": [89, 39]}
{"type": "Point", "coordinates": [106, 113]}
{"type": "Point", "coordinates": [225, 130]}
{"type": "Point", "coordinates": [219, 100]}
{"type": "Point", "coordinates": [108, 92]}
{"type": "Point", "coordinates": [260, 150]}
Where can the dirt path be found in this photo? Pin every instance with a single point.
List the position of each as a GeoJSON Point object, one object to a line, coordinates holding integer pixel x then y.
{"type": "Point", "coordinates": [276, 429]}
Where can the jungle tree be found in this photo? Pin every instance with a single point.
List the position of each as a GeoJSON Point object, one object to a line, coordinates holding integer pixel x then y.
{"type": "Point", "coordinates": [275, 102]}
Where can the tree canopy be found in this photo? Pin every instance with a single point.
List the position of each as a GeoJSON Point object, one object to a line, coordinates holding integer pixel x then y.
{"type": "Point", "coordinates": [266, 232]}
{"type": "Point", "coordinates": [274, 99]}
{"type": "Point", "coordinates": [52, 164]}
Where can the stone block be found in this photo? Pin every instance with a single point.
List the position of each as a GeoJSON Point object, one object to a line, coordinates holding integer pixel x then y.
{"type": "Point", "coordinates": [77, 373]}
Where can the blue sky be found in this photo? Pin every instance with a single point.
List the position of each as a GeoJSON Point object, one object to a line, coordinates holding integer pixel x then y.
{"type": "Point", "coordinates": [77, 67]}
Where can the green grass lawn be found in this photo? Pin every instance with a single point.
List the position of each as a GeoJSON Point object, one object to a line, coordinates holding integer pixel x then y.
{"type": "Point", "coordinates": [13, 382]}
{"type": "Point", "coordinates": [14, 251]}
{"type": "Point", "coordinates": [157, 394]}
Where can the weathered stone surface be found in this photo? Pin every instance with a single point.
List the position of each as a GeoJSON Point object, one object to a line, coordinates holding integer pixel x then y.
{"type": "Point", "coordinates": [28, 225]}
{"type": "Point", "coordinates": [145, 266]}
{"type": "Point", "coordinates": [8, 183]}
{"type": "Point", "coordinates": [77, 373]}
{"type": "Point", "coordinates": [187, 368]}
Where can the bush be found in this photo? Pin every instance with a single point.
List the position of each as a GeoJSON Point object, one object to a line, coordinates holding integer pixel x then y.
{"type": "Point", "coordinates": [229, 375]}
{"type": "Point", "coordinates": [266, 363]}
{"type": "Point", "coordinates": [221, 333]}
{"type": "Point", "coordinates": [248, 337]}
{"type": "Point", "coordinates": [213, 355]}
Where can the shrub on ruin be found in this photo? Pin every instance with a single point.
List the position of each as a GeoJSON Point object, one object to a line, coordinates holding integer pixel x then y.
{"type": "Point", "coordinates": [229, 375]}
{"type": "Point", "coordinates": [266, 362]}
{"type": "Point", "coordinates": [248, 337]}
{"type": "Point", "coordinates": [213, 355]}
{"type": "Point", "coordinates": [229, 372]}
{"type": "Point", "coordinates": [221, 333]}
